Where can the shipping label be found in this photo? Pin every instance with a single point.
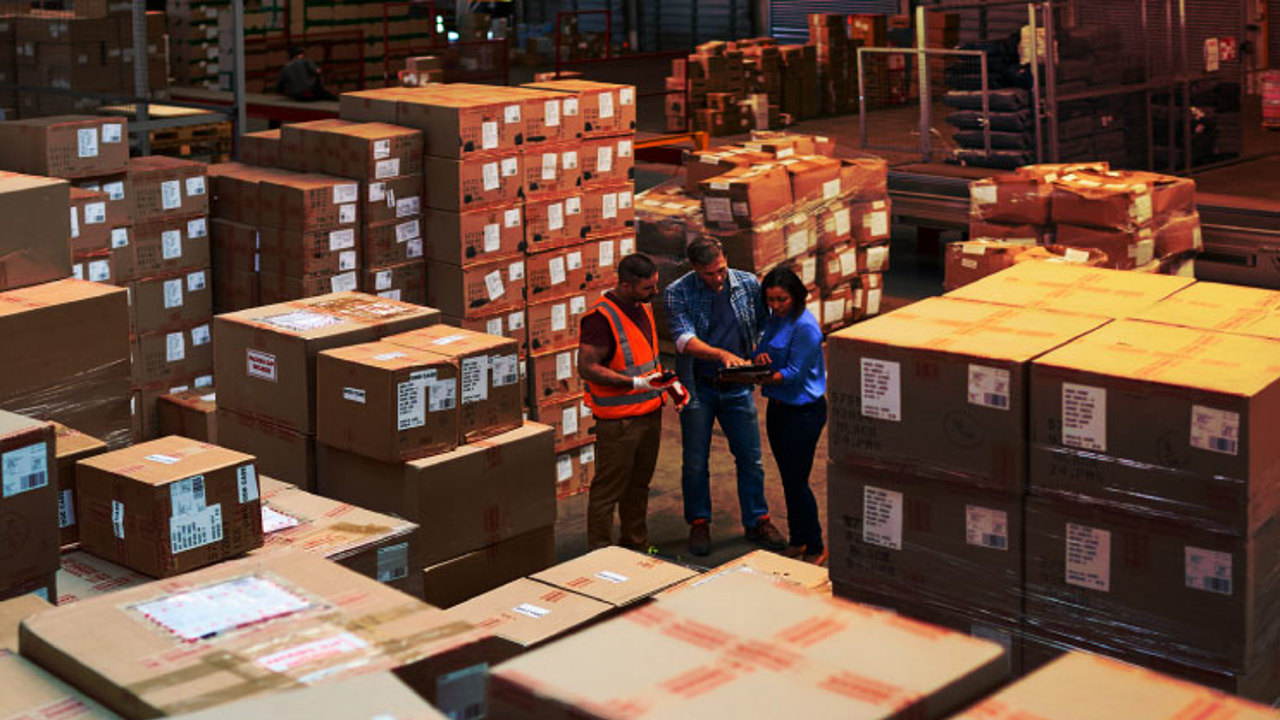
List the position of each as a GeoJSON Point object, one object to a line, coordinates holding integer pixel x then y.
{"type": "Point", "coordinates": [25, 469]}
{"type": "Point", "coordinates": [1208, 570]}
{"type": "Point", "coordinates": [203, 527]}
{"type": "Point", "coordinates": [1088, 557]}
{"type": "Point", "coordinates": [1215, 430]}
{"type": "Point", "coordinates": [474, 377]}
{"type": "Point", "coordinates": [215, 609]}
{"type": "Point", "coordinates": [882, 517]}
{"type": "Point", "coordinates": [881, 389]}
{"type": "Point", "coordinates": [987, 528]}
{"type": "Point", "coordinates": [260, 364]}
{"type": "Point", "coordinates": [1084, 417]}
{"type": "Point", "coordinates": [393, 562]}
{"type": "Point", "coordinates": [989, 387]}
{"type": "Point", "coordinates": [66, 509]}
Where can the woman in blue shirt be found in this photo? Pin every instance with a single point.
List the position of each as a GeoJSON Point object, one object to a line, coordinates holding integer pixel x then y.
{"type": "Point", "coordinates": [792, 346]}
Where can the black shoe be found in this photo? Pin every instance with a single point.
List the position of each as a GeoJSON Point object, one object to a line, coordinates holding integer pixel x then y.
{"type": "Point", "coordinates": [700, 538]}
{"type": "Point", "coordinates": [767, 536]}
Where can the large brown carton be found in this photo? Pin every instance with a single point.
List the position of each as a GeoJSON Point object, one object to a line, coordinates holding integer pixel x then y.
{"type": "Point", "coordinates": [180, 352]}
{"type": "Point", "coordinates": [530, 613]}
{"type": "Point", "coordinates": [746, 196]}
{"type": "Point", "coordinates": [478, 290]}
{"type": "Point", "coordinates": [554, 221]}
{"type": "Point", "coordinates": [475, 236]}
{"type": "Point", "coordinates": [364, 151]}
{"type": "Point", "coordinates": [575, 469]}
{"type": "Point", "coordinates": [304, 254]}
{"type": "Point", "coordinates": [554, 324]}
{"type": "Point", "coordinates": [265, 357]}
{"type": "Point", "coordinates": [1071, 288]}
{"type": "Point", "coordinates": [971, 260]}
{"type": "Point", "coordinates": [945, 545]}
{"type": "Point", "coordinates": [605, 108]}
{"type": "Point", "coordinates": [1216, 306]}
{"type": "Point", "coordinates": [827, 659]}
{"type": "Point", "coordinates": [403, 281]}
{"type": "Point", "coordinates": [387, 401]}
{"type": "Point", "coordinates": [391, 242]}
{"type": "Point", "coordinates": [1012, 199]}
{"type": "Point", "coordinates": [607, 160]}
{"type": "Point", "coordinates": [34, 243]}
{"type": "Point", "coordinates": [168, 506]}
{"type": "Point", "coordinates": [457, 125]}
{"type": "Point", "coordinates": [942, 386]}
{"type": "Point", "coordinates": [537, 116]}
{"type": "Point", "coordinates": [167, 302]}
{"type": "Point", "coordinates": [261, 148]}
{"type": "Point", "coordinates": [615, 576]}
{"type": "Point", "coordinates": [190, 414]}
{"type": "Point", "coordinates": [813, 178]}
{"type": "Point", "coordinates": [289, 615]}
{"type": "Point", "coordinates": [166, 187]}
{"type": "Point", "coordinates": [120, 200]}
{"type": "Point", "coordinates": [303, 145]}
{"type": "Point", "coordinates": [1206, 399]}
{"type": "Point", "coordinates": [308, 202]}
{"type": "Point", "coordinates": [377, 546]}
{"type": "Point", "coordinates": [71, 446]}
{"type": "Point", "coordinates": [1181, 235]}
{"type": "Point", "coordinates": [1125, 249]}
{"type": "Point", "coordinates": [1100, 200]}
{"type": "Point", "coordinates": [29, 501]}
{"type": "Point", "coordinates": [458, 185]}
{"type": "Point", "coordinates": [570, 418]}
{"type": "Point", "coordinates": [90, 230]}
{"type": "Point", "coordinates": [607, 209]}
{"type": "Point", "coordinates": [489, 394]}
{"type": "Point", "coordinates": [161, 247]}
{"type": "Point", "coordinates": [1085, 685]}
{"type": "Point", "coordinates": [792, 571]}
{"type": "Point", "coordinates": [478, 495]}
{"type": "Point", "coordinates": [554, 375]}
{"type": "Point", "coordinates": [377, 695]}
{"type": "Point", "coordinates": [551, 169]}
{"type": "Point", "coordinates": [456, 580]}
{"type": "Point", "coordinates": [31, 692]}
{"type": "Point", "coordinates": [12, 612]}
{"type": "Point", "coordinates": [281, 452]}
{"type": "Point", "coordinates": [1156, 588]}
{"type": "Point", "coordinates": [391, 199]}
{"type": "Point", "coordinates": [65, 146]}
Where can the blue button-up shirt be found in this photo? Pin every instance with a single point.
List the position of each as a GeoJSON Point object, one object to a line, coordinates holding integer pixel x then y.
{"type": "Point", "coordinates": [794, 345]}
{"type": "Point", "coordinates": [689, 313]}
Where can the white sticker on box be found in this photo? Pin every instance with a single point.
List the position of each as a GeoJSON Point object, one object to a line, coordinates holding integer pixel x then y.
{"type": "Point", "coordinates": [529, 610]}
{"type": "Point", "coordinates": [119, 238]}
{"type": "Point", "coordinates": [604, 159]}
{"type": "Point", "coordinates": [515, 320]}
{"type": "Point", "coordinates": [171, 244]}
{"type": "Point", "coordinates": [164, 459]}
{"type": "Point", "coordinates": [1084, 417]}
{"type": "Point", "coordinates": [197, 529]}
{"type": "Point", "coordinates": [551, 113]}
{"type": "Point", "coordinates": [87, 142]}
{"type": "Point", "coordinates": [171, 195]}
{"type": "Point", "coordinates": [114, 190]}
{"type": "Point", "coordinates": [195, 186]}
{"type": "Point", "coordinates": [556, 270]}
{"type": "Point", "coordinates": [260, 364]}
{"type": "Point", "coordinates": [25, 469]}
{"type": "Point", "coordinates": [564, 366]}
{"type": "Point", "coordinates": [95, 213]}
{"type": "Point", "coordinates": [312, 652]}
{"type": "Point", "coordinates": [408, 230]}
{"type": "Point", "coordinates": [573, 261]}
{"type": "Point", "coordinates": [504, 369]}
{"type": "Point", "coordinates": [1142, 208]}
{"type": "Point", "coordinates": [411, 205]}
{"type": "Point", "coordinates": [444, 394]}
{"type": "Point", "coordinates": [510, 167]}
{"type": "Point", "coordinates": [833, 310]}
{"type": "Point", "coordinates": [983, 193]}
{"type": "Point", "coordinates": [550, 165]}
{"type": "Point", "coordinates": [172, 294]}
{"type": "Point", "coordinates": [413, 248]}
{"type": "Point", "coordinates": [1215, 430]}
{"type": "Point", "coordinates": [492, 238]}
{"type": "Point", "coordinates": [214, 609]}
{"type": "Point", "coordinates": [347, 213]}
{"type": "Point", "coordinates": [346, 282]}
{"type": "Point", "coordinates": [626, 96]}
{"type": "Point", "coordinates": [987, 528]}
{"type": "Point", "coordinates": [569, 160]}
{"type": "Point", "coordinates": [606, 105]}
{"type": "Point", "coordinates": [877, 258]}
{"type": "Point", "coordinates": [877, 224]}
{"type": "Point", "coordinates": [849, 262]}
{"type": "Point", "coordinates": [100, 271]}
{"type": "Point", "coordinates": [571, 107]}
{"type": "Point", "coordinates": [247, 483]}
{"type": "Point", "coordinates": [384, 169]}
{"type": "Point", "coordinates": [493, 285]}
{"type": "Point", "coordinates": [475, 379]}
{"type": "Point", "coordinates": [606, 253]}
{"type": "Point", "coordinates": [197, 228]}
{"type": "Point", "coordinates": [809, 270]}
{"type": "Point", "coordinates": [175, 347]}
{"type": "Point", "coordinates": [1088, 557]}
{"type": "Point", "coordinates": [873, 301]}
{"type": "Point", "coordinates": [346, 193]}
{"type": "Point", "coordinates": [511, 218]}
{"type": "Point", "coordinates": [187, 495]}
{"type": "Point", "coordinates": [382, 280]}
{"type": "Point", "coordinates": [564, 468]}
{"type": "Point", "coordinates": [624, 148]}
{"type": "Point", "coordinates": [718, 209]}
{"type": "Point", "coordinates": [882, 517]}
{"type": "Point", "coordinates": [393, 562]}
{"type": "Point", "coordinates": [112, 133]}
{"type": "Point", "coordinates": [377, 192]}
{"type": "Point", "coordinates": [342, 240]}
{"type": "Point", "coordinates": [1076, 256]}
{"type": "Point", "coordinates": [559, 317]}
{"type": "Point", "coordinates": [555, 216]}
{"type": "Point", "coordinates": [66, 509]}
{"type": "Point", "coordinates": [488, 135]}
{"type": "Point", "coordinates": [75, 222]}
{"type": "Point", "coordinates": [301, 321]}
{"type": "Point", "coordinates": [587, 455]}
{"type": "Point", "coordinates": [489, 174]}
{"type": "Point", "coordinates": [569, 421]}
{"type": "Point", "coordinates": [195, 281]}
{"type": "Point", "coordinates": [381, 149]}
{"type": "Point", "coordinates": [609, 206]}
{"type": "Point", "coordinates": [515, 271]}
{"type": "Point", "coordinates": [577, 305]}
{"type": "Point", "coordinates": [493, 326]}
{"type": "Point", "coordinates": [881, 389]}
{"type": "Point", "coordinates": [411, 405]}
{"type": "Point", "coordinates": [1208, 570]}
{"type": "Point", "coordinates": [117, 519]}
{"type": "Point", "coordinates": [989, 387]}
{"type": "Point", "coordinates": [797, 243]}
{"type": "Point", "coordinates": [200, 335]}
{"type": "Point", "coordinates": [511, 114]}
{"type": "Point", "coordinates": [831, 189]}
{"type": "Point", "coordinates": [573, 206]}
{"type": "Point", "coordinates": [389, 356]}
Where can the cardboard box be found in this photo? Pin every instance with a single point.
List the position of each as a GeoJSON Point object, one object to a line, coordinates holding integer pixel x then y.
{"type": "Point", "coordinates": [190, 414]}
{"type": "Point", "coordinates": [554, 221]}
{"type": "Point", "coordinates": [165, 187]}
{"type": "Point", "coordinates": [34, 243]}
{"type": "Point", "coordinates": [479, 290]}
{"type": "Point", "coordinates": [406, 281]}
{"type": "Point", "coordinates": [1125, 249]}
{"type": "Point", "coordinates": [1011, 199]}
{"type": "Point", "coordinates": [1082, 684]}
{"type": "Point", "coordinates": [157, 357]}
{"type": "Point", "coordinates": [970, 261]}
{"type": "Point", "coordinates": [575, 469]}
{"type": "Point", "coordinates": [459, 579]}
{"type": "Point", "coordinates": [615, 576]}
{"type": "Point", "coordinates": [364, 151]}
{"type": "Point", "coordinates": [1025, 234]}
{"type": "Point", "coordinates": [839, 308]}
{"type": "Point", "coordinates": [454, 124]}
{"type": "Point", "coordinates": [1071, 288]}
{"type": "Point", "coordinates": [790, 571]}
{"type": "Point", "coordinates": [552, 169]}
{"type": "Point", "coordinates": [458, 185]}
{"type": "Point", "coordinates": [265, 357]}
{"type": "Point", "coordinates": [65, 146]}
{"type": "Point", "coordinates": [475, 236]}
{"type": "Point", "coordinates": [192, 483]}
{"type": "Point", "coordinates": [702, 165]}
{"type": "Point", "coordinates": [290, 613]}
{"type": "Point", "coordinates": [570, 418]}
{"type": "Point", "coordinates": [120, 197]}
{"type": "Point", "coordinates": [538, 116]}
{"type": "Point", "coordinates": [1181, 235]}
{"type": "Point", "coordinates": [1098, 200]}
{"type": "Point", "coordinates": [474, 497]}
{"type": "Point", "coordinates": [608, 209]}
{"type": "Point", "coordinates": [12, 612]}
{"type": "Point", "coordinates": [387, 401]}
{"type": "Point", "coordinates": [813, 178]}
{"type": "Point", "coordinates": [943, 386]}
{"type": "Point", "coordinates": [29, 501]}
{"type": "Point", "coordinates": [277, 288]}
{"type": "Point", "coordinates": [169, 302]}
{"type": "Point", "coordinates": [71, 446]}
{"type": "Point", "coordinates": [608, 160]}
{"type": "Point", "coordinates": [261, 148]}
{"type": "Point", "coordinates": [605, 108]}
{"type": "Point", "coordinates": [489, 393]}
{"type": "Point", "coordinates": [510, 325]}
{"type": "Point", "coordinates": [89, 229]}
{"type": "Point", "coordinates": [863, 663]}
{"type": "Point", "coordinates": [530, 613]}
{"type": "Point", "coordinates": [391, 243]}
{"type": "Point", "coordinates": [1215, 306]}
{"type": "Point", "coordinates": [1205, 398]}
{"type": "Point", "coordinates": [162, 247]}
{"type": "Point", "coordinates": [554, 375]}
{"type": "Point", "coordinates": [308, 202]}
{"type": "Point", "coordinates": [375, 695]}
{"type": "Point", "coordinates": [308, 254]}
{"type": "Point", "coordinates": [392, 199]}
{"type": "Point", "coordinates": [554, 324]}
{"type": "Point", "coordinates": [844, 263]}
{"type": "Point", "coordinates": [31, 692]}
{"type": "Point", "coordinates": [746, 196]}
{"type": "Point", "coordinates": [281, 452]}
{"type": "Point", "coordinates": [377, 546]}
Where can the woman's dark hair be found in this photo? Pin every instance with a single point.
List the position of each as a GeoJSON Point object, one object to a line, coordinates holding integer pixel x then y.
{"type": "Point", "coordinates": [783, 277]}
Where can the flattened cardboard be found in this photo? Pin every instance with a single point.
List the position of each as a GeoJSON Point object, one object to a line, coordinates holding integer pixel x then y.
{"type": "Point", "coordinates": [377, 695]}
{"type": "Point", "coordinates": [32, 692]}
{"type": "Point", "coordinates": [615, 576]}
{"type": "Point", "coordinates": [530, 613]}
{"type": "Point", "coordinates": [12, 612]}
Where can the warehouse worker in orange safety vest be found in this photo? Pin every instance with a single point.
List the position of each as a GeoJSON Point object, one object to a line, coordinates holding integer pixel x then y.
{"type": "Point", "coordinates": [626, 388]}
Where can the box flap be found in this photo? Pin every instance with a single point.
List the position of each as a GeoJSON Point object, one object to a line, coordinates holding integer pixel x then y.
{"type": "Point", "coordinates": [1072, 288]}
{"type": "Point", "coordinates": [529, 612]}
{"type": "Point", "coordinates": [615, 575]}
{"type": "Point", "coordinates": [1215, 306]}
{"type": "Point", "coordinates": [170, 458]}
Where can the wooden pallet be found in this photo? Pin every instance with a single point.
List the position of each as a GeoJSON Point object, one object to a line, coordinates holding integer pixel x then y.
{"type": "Point", "coordinates": [193, 133]}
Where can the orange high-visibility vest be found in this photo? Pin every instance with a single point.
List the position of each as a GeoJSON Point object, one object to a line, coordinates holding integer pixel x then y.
{"type": "Point", "coordinates": [633, 356]}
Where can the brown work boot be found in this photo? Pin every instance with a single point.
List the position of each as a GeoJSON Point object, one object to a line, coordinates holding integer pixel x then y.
{"type": "Point", "coordinates": [700, 538]}
{"type": "Point", "coordinates": [766, 535]}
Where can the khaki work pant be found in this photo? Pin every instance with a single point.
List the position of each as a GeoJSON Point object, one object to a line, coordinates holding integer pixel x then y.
{"type": "Point", "coordinates": [626, 455]}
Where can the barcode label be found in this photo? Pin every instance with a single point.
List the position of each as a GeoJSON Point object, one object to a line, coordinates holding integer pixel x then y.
{"type": "Point", "coordinates": [505, 370]}
{"type": "Point", "coordinates": [66, 509]}
{"type": "Point", "coordinates": [989, 387]}
{"type": "Point", "coordinates": [393, 562]}
{"type": "Point", "coordinates": [987, 528]}
{"type": "Point", "coordinates": [1208, 570]}
{"type": "Point", "coordinates": [1215, 430]}
{"type": "Point", "coordinates": [24, 469]}
{"type": "Point", "coordinates": [461, 694]}
{"type": "Point", "coordinates": [186, 496]}
{"type": "Point", "coordinates": [188, 532]}
{"type": "Point", "coordinates": [117, 518]}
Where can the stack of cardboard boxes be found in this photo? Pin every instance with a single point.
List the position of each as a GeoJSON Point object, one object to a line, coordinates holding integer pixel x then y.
{"type": "Point", "coordinates": [837, 62]}
{"type": "Point", "coordinates": [727, 88]}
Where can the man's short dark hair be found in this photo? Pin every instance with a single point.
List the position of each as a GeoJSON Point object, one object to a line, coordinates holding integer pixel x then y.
{"type": "Point", "coordinates": [635, 268]}
{"type": "Point", "coordinates": [704, 251]}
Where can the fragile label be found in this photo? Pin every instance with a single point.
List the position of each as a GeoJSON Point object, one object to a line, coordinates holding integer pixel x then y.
{"type": "Point", "coordinates": [172, 294]}
{"type": "Point", "coordinates": [493, 285]}
{"type": "Point", "coordinates": [393, 562]}
{"type": "Point", "coordinates": [312, 652]}
{"type": "Point", "coordinates": [474, 375]}
{"type": "Point", "coordinates": [66, 509]}
{"type": "Point", "coordinates": [1084, 417]}
{"type": "Point", "coordinates": [1215, 430]}
{"type": "Point", "coordinates": [260, 364]}
{"type": "Point", "coordinates": [989, 387]}
{"type": "Point", "coordinates": [1208, 570]}
{"type": "Point", "coordinates": [247, 483]}
{"type": "Point", "coordinates": [215, 609]}
{"type": "Point", "coordinates": [175, 347]}
{"type": "Point", "coordinates": [881, 389]}
{"type": "Point", "coordinates": [882, 517]}
{"type": "Point", "coordinates": [197, 228]}
{"type": "Point", "coordinates": [25, 469]}
{"type": "Point", "coordinates": [188, 532]}
{"type": "Point", "coordinates": [489, 135]}
{"type": "Point", "coordinates": [87, 142]}
{"type": "Point", "coordinates": [1088, 557]}
{"type": "Point", "coordinates": [987, 528]}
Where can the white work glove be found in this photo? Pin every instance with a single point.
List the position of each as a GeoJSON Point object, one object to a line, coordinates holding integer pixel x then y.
{"type": "Point", "coordinates": [652, 381]}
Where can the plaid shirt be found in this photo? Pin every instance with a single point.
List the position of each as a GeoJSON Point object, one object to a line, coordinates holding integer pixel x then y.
{"type": "Point", "coordinates": [689, 303]}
